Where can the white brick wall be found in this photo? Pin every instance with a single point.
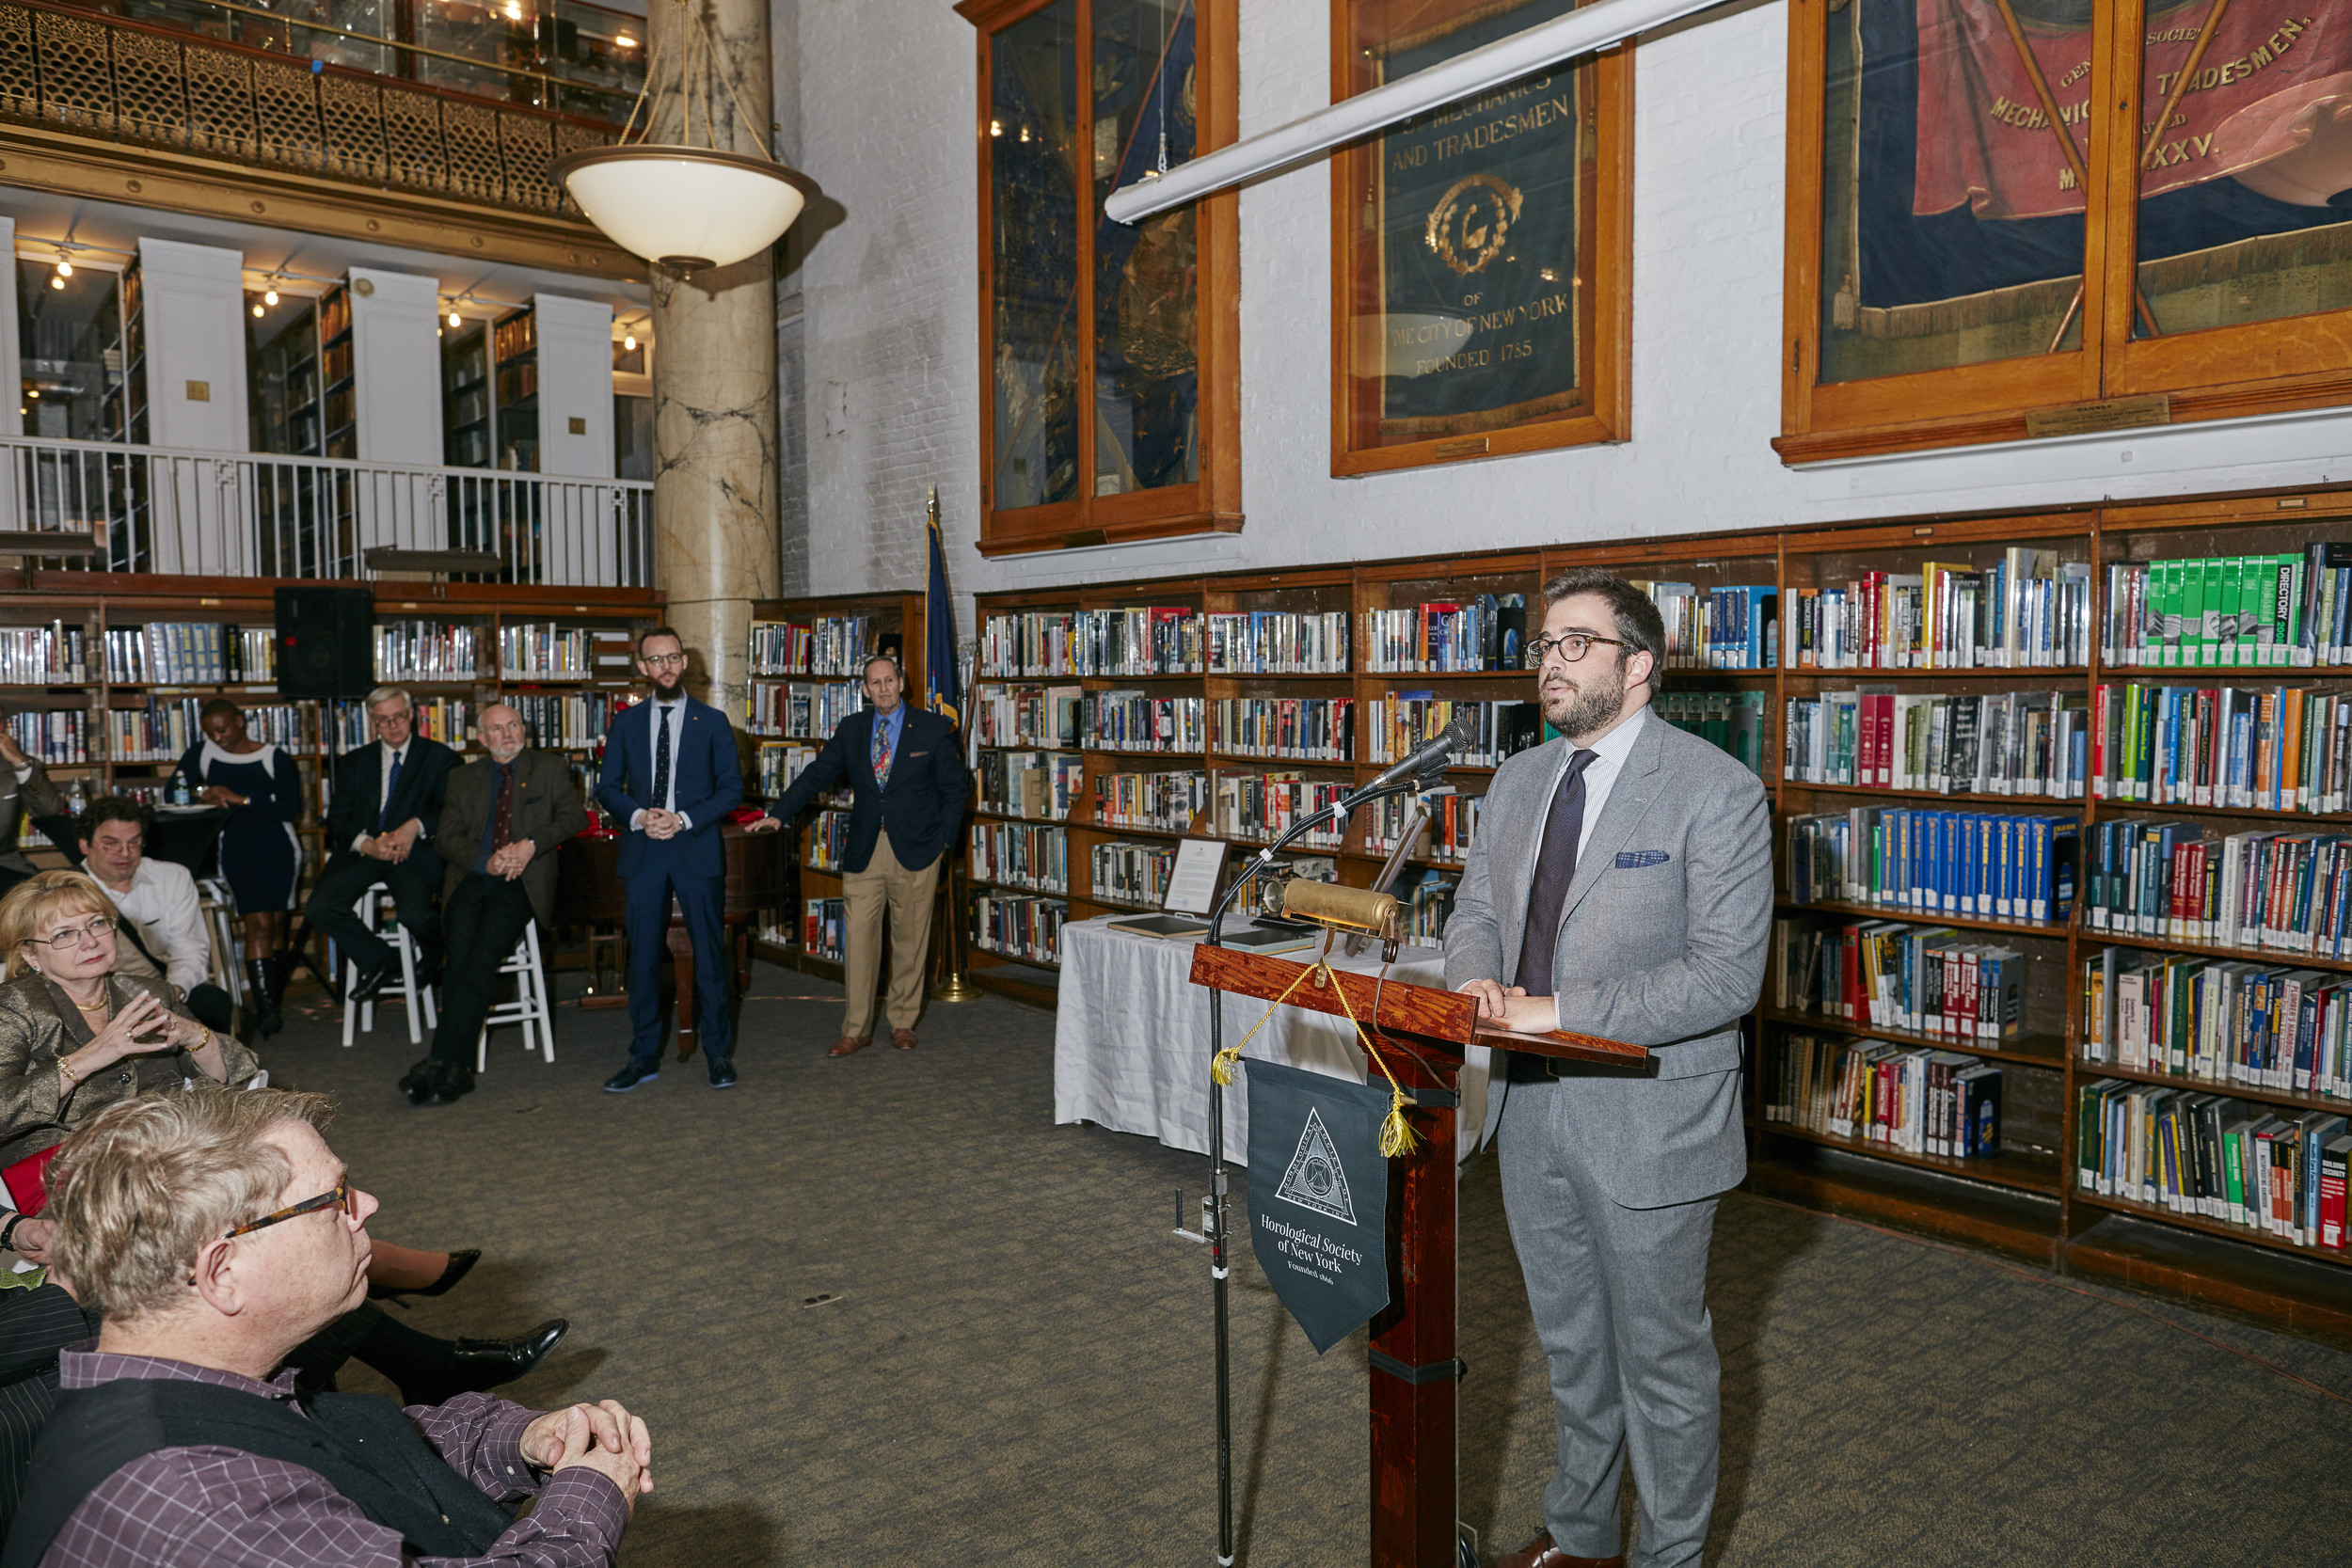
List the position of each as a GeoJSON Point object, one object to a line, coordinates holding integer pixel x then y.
{"type": "Point", "coordinates": [892, 354]}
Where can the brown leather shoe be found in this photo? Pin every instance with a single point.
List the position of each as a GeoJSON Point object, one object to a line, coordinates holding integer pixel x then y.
{"type": "Point", "coordinates": [902, 1039]}
{"type": "Point", "coordinates": [849, 1045]}
{"type": "Point", "coordinates": [1541, 1553]}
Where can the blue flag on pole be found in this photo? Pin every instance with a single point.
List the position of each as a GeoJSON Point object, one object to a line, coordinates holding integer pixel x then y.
{"type": "Point", "coordinates": [943, 685]}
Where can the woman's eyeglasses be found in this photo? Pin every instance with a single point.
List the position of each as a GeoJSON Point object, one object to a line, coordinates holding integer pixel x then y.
{"type": "Point", "coordinates": [74, 936]}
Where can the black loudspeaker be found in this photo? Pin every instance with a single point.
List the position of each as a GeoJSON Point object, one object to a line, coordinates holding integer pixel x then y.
{"type": "Point", "coordinates": [325, 641]}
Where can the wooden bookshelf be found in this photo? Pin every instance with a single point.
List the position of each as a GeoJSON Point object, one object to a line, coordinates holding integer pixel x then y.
{"type": "Point", "coordinates": [2025, 1201]}
{"type": "Point", "coordinates": [861, 624]}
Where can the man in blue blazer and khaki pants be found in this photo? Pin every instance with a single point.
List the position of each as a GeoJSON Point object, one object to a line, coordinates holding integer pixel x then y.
{"type": "Point", "coordinates": [670, 778]}
{"type": "Point", "coordinates": [906, 773]}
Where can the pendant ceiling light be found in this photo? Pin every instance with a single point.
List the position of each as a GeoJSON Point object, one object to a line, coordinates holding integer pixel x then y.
{"type": "Point", "coordinates": [684, 205]}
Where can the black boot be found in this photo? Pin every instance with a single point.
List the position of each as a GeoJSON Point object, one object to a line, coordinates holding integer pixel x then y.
{"type": "Point", "coordinates": [261, 997]}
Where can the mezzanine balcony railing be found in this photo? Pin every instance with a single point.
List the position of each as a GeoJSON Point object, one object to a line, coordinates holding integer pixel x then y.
{"type": "Point", "coordinates": [205, 513]}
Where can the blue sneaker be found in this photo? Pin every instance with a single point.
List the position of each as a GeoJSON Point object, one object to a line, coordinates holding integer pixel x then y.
{"type": "Point", "coordinates": [630, 1076]}
{"type": "Point", "coordinates": [722, 1075]}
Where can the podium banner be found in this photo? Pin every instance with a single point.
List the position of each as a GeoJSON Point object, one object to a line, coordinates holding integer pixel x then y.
{"type": "Point", "coordinates": [1319, 1196]}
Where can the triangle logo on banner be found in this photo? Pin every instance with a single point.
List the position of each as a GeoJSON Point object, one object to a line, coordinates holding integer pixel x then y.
{"type": "Point", "coordinates": [1316, 1180]}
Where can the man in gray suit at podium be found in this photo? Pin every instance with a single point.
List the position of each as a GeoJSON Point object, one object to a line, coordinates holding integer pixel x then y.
{"type": "Point", "coordinates": [1620, 885]}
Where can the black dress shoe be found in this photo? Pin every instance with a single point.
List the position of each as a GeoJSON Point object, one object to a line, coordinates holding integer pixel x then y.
{"type": "Point", "coordinates": [460, 1264]}
{"type": "Point", "coordinates": [630, 1076]}
{"type": "Point", "coordinates": [485, 1364]}
{"type": "Point", "coordinates": [722, 1075]}
{"type": "Point", "coordinates": [373, 981]}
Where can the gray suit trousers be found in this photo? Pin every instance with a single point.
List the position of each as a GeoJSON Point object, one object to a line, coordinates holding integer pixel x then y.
{"type": "Point", "coordinates": [1619, 1299]}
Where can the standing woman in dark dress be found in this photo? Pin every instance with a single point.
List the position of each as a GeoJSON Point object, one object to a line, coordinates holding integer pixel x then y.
{"type": "Point", "coordinates": [260, 856]}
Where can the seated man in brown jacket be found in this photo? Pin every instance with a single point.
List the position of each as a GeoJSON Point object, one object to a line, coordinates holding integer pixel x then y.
{"type": "Point", "coordinates": [501, 822]}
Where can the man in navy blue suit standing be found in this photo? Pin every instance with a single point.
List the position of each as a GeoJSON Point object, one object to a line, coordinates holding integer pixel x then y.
{"type": "Point", "coordinates": [906, 774]}
{"type": "Point", "coordinates": [670, 778]}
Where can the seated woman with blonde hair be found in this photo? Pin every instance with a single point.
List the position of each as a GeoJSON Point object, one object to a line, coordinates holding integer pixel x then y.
{"type": "Point", "coordinates": [76, 1038]}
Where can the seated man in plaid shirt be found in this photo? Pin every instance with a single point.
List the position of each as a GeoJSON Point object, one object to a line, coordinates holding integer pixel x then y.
{"type": "Point", "coordinates": [213, 1231]}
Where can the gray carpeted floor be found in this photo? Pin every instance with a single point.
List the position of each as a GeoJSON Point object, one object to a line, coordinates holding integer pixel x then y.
{"type": "Point", "coordinates": [883, 1310]}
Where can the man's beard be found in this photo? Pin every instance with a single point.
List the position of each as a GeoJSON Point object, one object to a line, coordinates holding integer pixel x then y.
{"type": "Point", "coordinates": [502, 758]}
{"type": "Point", "coordinates": [1586, 709]}
{"type": "Point", "coordinates": [668, 682]}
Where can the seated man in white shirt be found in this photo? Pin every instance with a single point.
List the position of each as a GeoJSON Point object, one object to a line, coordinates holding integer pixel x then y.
{"type": "Point", "coordinates": [162, 920]}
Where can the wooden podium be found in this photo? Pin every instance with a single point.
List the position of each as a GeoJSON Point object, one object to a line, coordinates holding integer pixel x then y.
{"type": "Point", "coordinates": [1423, 1034]}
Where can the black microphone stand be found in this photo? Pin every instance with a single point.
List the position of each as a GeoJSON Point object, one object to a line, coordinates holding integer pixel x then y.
{"type": "Point", "coordinates": [1219, 1273]}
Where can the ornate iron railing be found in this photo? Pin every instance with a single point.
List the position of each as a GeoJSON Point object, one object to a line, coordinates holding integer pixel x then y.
{"type": "Point", "coordinates": [150, 509]}
{"type": "Point", "coordinates": [127, 81]}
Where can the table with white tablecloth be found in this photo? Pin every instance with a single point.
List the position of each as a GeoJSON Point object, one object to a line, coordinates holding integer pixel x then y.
{"type": "Point", "coordinates": [1130, 1037]}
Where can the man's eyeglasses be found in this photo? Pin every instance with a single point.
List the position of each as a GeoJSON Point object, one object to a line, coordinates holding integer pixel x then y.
{"type": "Point", "coordinates": [1570, 645]}
{"type": "Point", "coordinates": [74, 936]}
{"type": "Point", "coordinates": [662, 661]}
{"type": "Point", "coordinates": [341, 1197]}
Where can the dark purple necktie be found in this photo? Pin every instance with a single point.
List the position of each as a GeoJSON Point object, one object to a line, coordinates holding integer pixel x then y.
{"type": "Point", "coordinates": [1555, 868]}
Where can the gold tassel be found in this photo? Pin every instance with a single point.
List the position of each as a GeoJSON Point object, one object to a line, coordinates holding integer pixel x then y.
{"type": "Point", "coordinates": [1396, 1133]}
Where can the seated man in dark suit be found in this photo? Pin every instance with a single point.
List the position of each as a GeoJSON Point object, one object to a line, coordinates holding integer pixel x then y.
{"type": "Point", "coordinates": [387, 800]}
{"type": "Point", "coordinates": [501, 824]}
{"type": "Point", "coordinates": [178, 1440]}
{"type": "Point", "coordinates": [905, 769]}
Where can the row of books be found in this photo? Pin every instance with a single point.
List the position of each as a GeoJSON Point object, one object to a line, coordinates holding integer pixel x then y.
{"type": "Point", "coordinates": [779, 764]}
{"type": "Point", "coordinates": [824, 928]}
{"type": "Point", "coordinates": [166, 727]}
{"type": "Point", "coordinates": [573, 720]}
{"type": "Point", "coordinates": [1135, 720]}
{"type": "Point", "coordinates": [2247, 1023]}
{"type": "Point", "coordinates": [1019, 925]}
{"type": "Point", "coordinates": [1427, 903]}
{"type": "Point", "coordinates": [188, 653]}
{"type": "Point", "coordinates": [800, 710]}
{"type": "Point", "coordinates": [1730, 720]}
{"type": "Point", "coordinates": [1151, 640]}
{"type": "Point", "coordinates": [1278, 642]}
{"type": "Point", "coordinates": [1985, 864]}
{"type": "Point", "coordinates": [1166, 802]}
{"type": "Point", "coordinates": [1014, 852]}
{"type": "Point", "coordinates": [43, 655]}
{"type": "Point", "coordinates": [1263, 807]}
{"type": "Point", "coordinates": [2027, 610]}
{"type": "Point", "coordinates": [1305, 729]}
{"type": "Point", "coordinates": [59, 737]}
{"type": "Point", "coordinates": [1941, 742]}
{"type": "Point", "coordinates": [829, 840]}
{"type": "Point", "coordinates": [2241, 611]}
{"type": "Point", "coordinates": [829, 645]}
{"type": "Point", "coordinates": [1912, 1098]}
{"type": "Point", "coordinates": [2214, 1158]}
{"type": "Point", "coordinates": [1027, 715]}
{"type": "Point", "coordinates": [1717, 628]}
{"type": "Point", "coordinates": [1887, 975]}
{"type": "Point", "coordinates": [1488, 632]}
{"type": "Point", "coordinates": [1040, 785]}
{"type": "Point", "coordinates": [1452, 826]}
{"type": "Point", "coordinates": [427, 650]}
{"type": "Point", "coordinates": [1131, 874]}
{"type": "Point", "coordinates": [2282, 892]}
{"type": "Point", "coordinates": [544, 651]}
{"type": "Point", "coordinates": [1399, 722]}
{"type": "Point", "coordinates": [2259, 749]}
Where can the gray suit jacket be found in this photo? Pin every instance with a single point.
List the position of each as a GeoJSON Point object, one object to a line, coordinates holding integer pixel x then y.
{"type": "Point", "coordinates": [548, 811]}
{"type": "Point", "coordinates": [1663, 941]}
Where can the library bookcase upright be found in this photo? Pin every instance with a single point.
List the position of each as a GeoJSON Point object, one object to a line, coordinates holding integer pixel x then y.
{"type": "Point", "coordinates": [2030, 1199]}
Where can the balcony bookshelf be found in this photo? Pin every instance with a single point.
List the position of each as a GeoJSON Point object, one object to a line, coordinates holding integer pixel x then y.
{"type": "Point", "coordinates": [2024, 1200]}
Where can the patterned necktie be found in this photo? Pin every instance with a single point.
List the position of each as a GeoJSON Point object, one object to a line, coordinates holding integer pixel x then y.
{"type": "Point", "coordinates": [502, 820]}
{"type": "Point", "coordinates": [391, 782]}
{"type": "Point", "coordinates": [1555, 868]}
{"type": "Point", "coordinates": [881, 754]}
{"type": "Point", "coordinates": [662, 757]}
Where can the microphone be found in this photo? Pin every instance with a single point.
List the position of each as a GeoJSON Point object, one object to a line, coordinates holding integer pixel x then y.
{"type": "Point", "coordinates": [1428, 761]}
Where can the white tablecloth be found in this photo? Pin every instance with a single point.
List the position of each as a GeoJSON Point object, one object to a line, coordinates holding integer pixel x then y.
{"type": "Point", "coordinates": [1131, 1037]}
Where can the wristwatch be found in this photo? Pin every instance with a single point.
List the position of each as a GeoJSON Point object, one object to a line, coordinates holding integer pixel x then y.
{"type": "Point", "coordinates": [7, 1231]}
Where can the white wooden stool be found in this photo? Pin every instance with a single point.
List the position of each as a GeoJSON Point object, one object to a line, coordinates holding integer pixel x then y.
{"type": "Point", "coordinates": [530, 1006]}
{"type": "Point", "coordinates": [214, 904]}
{"type": "Point", "coordinates": [373, 906]}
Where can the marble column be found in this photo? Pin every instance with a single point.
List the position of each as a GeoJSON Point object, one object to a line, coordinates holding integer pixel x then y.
{"type": "Point", "coordinates": [714, 380]}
